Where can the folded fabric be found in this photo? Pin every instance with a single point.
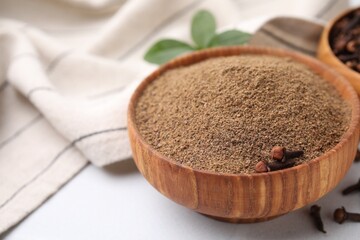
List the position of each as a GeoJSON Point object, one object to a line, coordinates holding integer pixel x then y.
{"type": "Point", "coordinates": [66, 78]}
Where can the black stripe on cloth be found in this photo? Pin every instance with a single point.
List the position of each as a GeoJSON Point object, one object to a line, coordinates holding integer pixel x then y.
{"type": "Point", "coordinates": [21, 130]}
{"type": "Point", "coordinates": [4, 85]}
{"type": "Point", "coordinates": [161, 25]}
{"type": "Point", "coordinates": [53, 63]}
{"type": "Point", "coordinates": [329, 5]}
{"type": "Point", "coordinates": [37, 89]}
{"type": "Point", "coordinates": [96, 96]}
{"type": "Point", "coordinates": [57, 157]}
{"type": "Point", "coordinates": [286, 43]}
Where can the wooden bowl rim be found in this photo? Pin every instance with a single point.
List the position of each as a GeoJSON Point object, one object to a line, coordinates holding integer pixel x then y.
{"type": "Point", "coordinates": [326, 32]}
{"type": "Point", "coordinates": [353, 100]}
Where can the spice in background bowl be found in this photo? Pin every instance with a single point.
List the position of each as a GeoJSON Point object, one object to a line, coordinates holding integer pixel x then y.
{"type": "Point", "coordinates": [339, 45]}
{"type": "Point", "coordinates": [345, 39]}
{"type": "Point", "coordinates": [219, 192]}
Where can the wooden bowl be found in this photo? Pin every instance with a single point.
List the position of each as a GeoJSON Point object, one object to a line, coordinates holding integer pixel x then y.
{"type": "Point", "coordinates": [326, 55]}
{"type": "Point", "coordinates": [246, 197]}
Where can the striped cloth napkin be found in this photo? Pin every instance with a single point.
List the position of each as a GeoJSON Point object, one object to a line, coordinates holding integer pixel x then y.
{"type": "Point", "coordinates": [68, 68]}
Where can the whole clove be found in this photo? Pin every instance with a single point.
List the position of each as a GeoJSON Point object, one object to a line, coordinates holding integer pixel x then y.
{"type": "Point", "coordinates": [265, 166]}
{"type": "Point", "coordinates": [279, 153]}
{"type": "Point", "coordinates": [354, 21]}
{"type": "Point", "coordinates": [351, 46]}
{"type": "Point", "coordinates": [352, 188]}
{"type": "Point", "coordinates": [357, 156]}
{"type": "Point", "coordinates": [341, 215]}
{"type": "Point", "coordinates": [348, 57]}
{"type": "Point", "coordinates": [315, 214]}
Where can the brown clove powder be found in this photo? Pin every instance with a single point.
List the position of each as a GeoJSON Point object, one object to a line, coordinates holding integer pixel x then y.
{"type": "Point", "coordinates": [225, 114]}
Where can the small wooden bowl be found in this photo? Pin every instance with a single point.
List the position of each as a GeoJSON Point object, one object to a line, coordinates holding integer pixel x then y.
{"type": "Point", "coordinates": [326, 55]}
{"type": "Point", "coordinates": [246, 197]}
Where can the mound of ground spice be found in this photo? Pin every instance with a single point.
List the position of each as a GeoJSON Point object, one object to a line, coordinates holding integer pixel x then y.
{"type": "Point", "coordinates": [225, 114]}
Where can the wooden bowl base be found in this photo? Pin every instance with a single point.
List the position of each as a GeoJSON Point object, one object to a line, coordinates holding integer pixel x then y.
{"type": "Point", "coordinates": [242, 220]}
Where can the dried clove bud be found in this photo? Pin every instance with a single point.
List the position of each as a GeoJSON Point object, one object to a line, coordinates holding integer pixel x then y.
{"type": "Point", "coordinates": [261, 166]}
{"type": "Point", "coordinates": [357, 67]}
{"type": "Point", "coordinates": [357, 156]}
{"type": "Point", "coordinates": [352, 188]}
{"type": "Point", "coordinates": [264, 166]}
{"type": "Point", "coordinates": [346, 58]}
{"type": "Point", "coordinates": [351, 64]}
{"type": "Point", "coordinates": [353, 22]}
{"type": "Point", "coordinates": [281, 154]}
{"type": "Point", "coordinates": [351, 46]}
{"type": "Point", "coordinates": [341, 215]}
{"type": "Point", "coordinates": [315, 214]}
{"type": "Point", "coordinates": [340, 44]}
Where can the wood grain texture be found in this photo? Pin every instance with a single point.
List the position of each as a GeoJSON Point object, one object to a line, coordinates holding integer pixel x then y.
{"type": "Point", "coordinates": [247, 197]}
{"type": "Point", "coordinates": [326, 55]}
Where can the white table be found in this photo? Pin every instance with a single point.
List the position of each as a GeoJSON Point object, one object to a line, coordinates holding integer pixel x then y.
{"type": "Point", "coordinates": [118, 203]}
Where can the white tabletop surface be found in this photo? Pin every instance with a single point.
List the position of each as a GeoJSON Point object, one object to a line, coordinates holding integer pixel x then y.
{"type": "Point", "coordinates": [118, 203]}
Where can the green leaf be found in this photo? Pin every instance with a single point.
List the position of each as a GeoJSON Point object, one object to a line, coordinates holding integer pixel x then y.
{"type": "Point", "coordinates": [166, 49]}
{"type": "Point", "coordinates": [228, 38]}
{"type": "Point", "coordinates": [203, 28]}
